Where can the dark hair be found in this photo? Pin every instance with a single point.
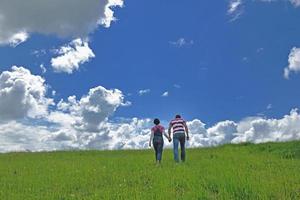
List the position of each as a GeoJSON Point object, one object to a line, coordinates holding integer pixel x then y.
{"type": "Point", "coordinates": [178, 116]}
{"type": "Point", "coordinates": [156, 121]}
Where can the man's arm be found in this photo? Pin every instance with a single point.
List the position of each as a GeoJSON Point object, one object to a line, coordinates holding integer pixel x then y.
{"type": "Point", "coordinates": [186, 131]}
{"type": "Point", "coordinates": [169, 130]}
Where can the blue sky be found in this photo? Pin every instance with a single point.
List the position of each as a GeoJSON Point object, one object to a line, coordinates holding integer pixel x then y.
{"type": "Point", "coordinates": [232, 69]}
{"type": "Point", "coordinates": [215, 65]}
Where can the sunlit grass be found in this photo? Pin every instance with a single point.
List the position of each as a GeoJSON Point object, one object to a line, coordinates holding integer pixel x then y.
{"type": "Point", "coordinates": [265, 171]}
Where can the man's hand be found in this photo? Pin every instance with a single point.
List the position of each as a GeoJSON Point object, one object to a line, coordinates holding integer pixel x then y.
{"type": "Point", "coordinates": [170, 139]}
{"type": "Point", "coordinates": [187, 137]}
{"type": "Point", "coordinates": [149, 144]}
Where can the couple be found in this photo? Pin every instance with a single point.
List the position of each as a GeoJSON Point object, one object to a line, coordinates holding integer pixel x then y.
{"type": "Point", "coordinates": [179, 128]}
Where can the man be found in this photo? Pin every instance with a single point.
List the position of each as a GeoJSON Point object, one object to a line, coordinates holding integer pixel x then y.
{"type": "Point", "coordinates": [179, 128]}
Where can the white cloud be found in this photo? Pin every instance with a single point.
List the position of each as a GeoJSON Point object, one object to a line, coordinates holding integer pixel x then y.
{"type": "Point", "coordinates": [165, 94]}
{"type": "Point", "coordinates": [84, 123]}
{"type": "Point", "coordinates": [234, 5]}
{"type": "Point", "coordinates": [266, 130]}
{"type": "Point", "coordinates": [143, 92]}
{"type": "Point", "coordinates": [134, 133]}
{"type": "Point", "coordinates": [22, 95]}
{"type": "Point", "coordinates": [181, 42]}
{"type": "Point", "coordinates": [53, 92]}
{"type": "Point", "coordinates": [17, 136]}
{"type": "Point", "coordinates": [67, 18]}
{"type": "Point", "coordinates": [93, 109]}
{"type": "Point", "coordinates": [235, 9]}
{"type": "Point", "coordinates": [108, 13]}
{"type": "Point", "coordinates": [71, 56]}
{"type": "Point", "coordinates": [17, 39]}
{"type": "Point", "coordinates": [43, 68]}
{"type": "Point", "coordinates": [294, 62]}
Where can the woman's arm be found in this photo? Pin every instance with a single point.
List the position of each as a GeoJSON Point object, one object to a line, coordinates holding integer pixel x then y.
{"type": "Point", "coordinates": [165, 134]}
{"type": "Point", "coordinates": [151, 138]}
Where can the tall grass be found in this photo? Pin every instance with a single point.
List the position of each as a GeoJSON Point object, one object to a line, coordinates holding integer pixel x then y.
{"type": "Point", "coordinates": [265, 171]}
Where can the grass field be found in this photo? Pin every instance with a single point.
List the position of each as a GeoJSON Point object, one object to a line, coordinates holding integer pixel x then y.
{"type": "Point", "coordinates": [265, 171]}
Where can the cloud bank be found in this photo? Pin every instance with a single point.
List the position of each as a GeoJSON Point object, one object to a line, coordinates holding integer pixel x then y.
{"type": "Point", "coordinates": [31, 121]}
{"type": "Point", "coordinates": [67, 18]}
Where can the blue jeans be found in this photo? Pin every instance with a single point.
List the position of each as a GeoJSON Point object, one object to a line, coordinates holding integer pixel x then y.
{"type": "Point", "coordinates": [179, 138]}
{"type": "Point", "coordinates": [158, 143]}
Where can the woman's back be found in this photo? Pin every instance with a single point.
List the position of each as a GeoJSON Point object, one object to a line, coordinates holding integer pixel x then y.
{"type": "Point", "coordinates": [158, 130]}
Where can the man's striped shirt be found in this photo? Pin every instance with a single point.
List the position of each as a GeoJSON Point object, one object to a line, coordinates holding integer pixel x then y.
{"type": "Point", "coordinates": [178, 125]}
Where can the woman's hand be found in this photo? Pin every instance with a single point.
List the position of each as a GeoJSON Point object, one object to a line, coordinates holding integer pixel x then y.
{"type": "Point", "coordinates": [149, 144]}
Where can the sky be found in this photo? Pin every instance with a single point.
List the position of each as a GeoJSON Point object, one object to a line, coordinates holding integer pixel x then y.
{"type": "Point", "coordinates": [93, 75]}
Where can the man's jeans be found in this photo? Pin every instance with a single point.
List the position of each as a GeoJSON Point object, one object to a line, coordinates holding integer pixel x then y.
{"type": "Point", "coordinates": [179, 138]}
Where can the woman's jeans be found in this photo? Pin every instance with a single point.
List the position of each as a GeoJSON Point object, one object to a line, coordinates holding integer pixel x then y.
{"type": "Point", "coordinates": [158, 143]}
{"type": "Point", "coordinates": [179, 138]}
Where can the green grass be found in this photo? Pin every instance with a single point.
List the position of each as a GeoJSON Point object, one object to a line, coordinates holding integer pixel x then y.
{"type": "Point", "coordinates": [246, 171]}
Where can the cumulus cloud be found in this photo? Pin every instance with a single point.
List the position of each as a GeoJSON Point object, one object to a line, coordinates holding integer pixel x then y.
{"type": "Point", "coordinates": [28, 124]}
{"type": "Point", "coordinates": [253, 129]}
{"type": "Point", "coordinates": [71, 56]}
{"type": "Point", "coordinates": [22, 94]}
{"type": "Point", "coordinates": [294, 62]}
{"type": "Point", "coordinates": [68, 18]}
{"type": "Point", "coordinates": [134, 133]}
{"type": "Point", "coordinates": [267, 130]}
{"type": "Point", "coordinates": [94, 108]}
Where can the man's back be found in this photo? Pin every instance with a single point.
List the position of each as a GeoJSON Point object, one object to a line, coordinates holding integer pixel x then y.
{"type": "Point", "coordinates": [178, 125]}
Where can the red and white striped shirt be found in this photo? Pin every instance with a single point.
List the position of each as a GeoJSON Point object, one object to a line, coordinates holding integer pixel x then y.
{"type": "Point", "coordinates": [178, 125]}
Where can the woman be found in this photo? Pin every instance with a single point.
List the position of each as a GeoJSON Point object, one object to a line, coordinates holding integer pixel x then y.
{"type": "Point", "coordinates": [157, 133]}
